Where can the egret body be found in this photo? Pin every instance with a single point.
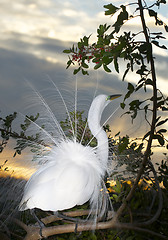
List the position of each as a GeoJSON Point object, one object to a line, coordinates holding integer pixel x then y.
{"type": "Point", "coordinates": [73, 173]}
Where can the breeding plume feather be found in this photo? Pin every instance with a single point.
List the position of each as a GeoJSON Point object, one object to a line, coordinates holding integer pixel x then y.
{"type": "Point", "coordinates": [73, 174]}
{"type": "Point", "coordinates": [69, 173]}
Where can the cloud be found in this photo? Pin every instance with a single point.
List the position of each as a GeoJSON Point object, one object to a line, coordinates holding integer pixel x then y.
{"type": "Point", "coordinates": [55, 19]}
{"type": "Point", "coordinates": [33, 36]}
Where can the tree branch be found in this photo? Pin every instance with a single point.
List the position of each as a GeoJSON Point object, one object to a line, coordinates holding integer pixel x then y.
{"type": "Point", "coordinates": [148, 148]}
{"type": "Point", "coordinates": [33, 232]}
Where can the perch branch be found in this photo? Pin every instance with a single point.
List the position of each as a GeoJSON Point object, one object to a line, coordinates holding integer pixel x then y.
{"type": "Point", "coordinates": [33, 231]}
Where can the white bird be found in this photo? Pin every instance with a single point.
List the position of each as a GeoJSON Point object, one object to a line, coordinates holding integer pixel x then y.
{"type": "Point", "coordinates": [73, 174]}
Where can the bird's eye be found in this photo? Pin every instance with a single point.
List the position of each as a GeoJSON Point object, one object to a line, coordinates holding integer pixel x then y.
{"type": "Point", "coordinates": [107, 98]}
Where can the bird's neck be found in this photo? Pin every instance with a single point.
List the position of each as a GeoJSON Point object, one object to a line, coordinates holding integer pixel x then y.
{"type": "Point", "coordinates": [102, 147]}
{"type": "Point", "coordinates": [94, 117]}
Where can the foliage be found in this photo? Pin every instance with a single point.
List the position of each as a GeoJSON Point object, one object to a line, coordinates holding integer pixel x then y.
{"type": "Point", "coordinates": [137, 202]}
{"type": "Point", "coordinates": [115, 47]}
{"type": "Point", "coordinates": [6, 124]}
{"type": "Point", "coordinates": [3, 167]}
{"type": "Point", "coordinates": [112, 47]}
{"type": "Point", "coordinates": [79, 125]}
{"type": "Point", "coordinates": [128, 154]}
{"type": "Point", "coordinates": [163, 172]}
{"type": "Point", "coordinates": [22, 139]}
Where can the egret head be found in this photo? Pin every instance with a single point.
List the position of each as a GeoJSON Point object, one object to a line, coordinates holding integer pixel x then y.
{"type": "Point", "coordinates": [109, 98]}
{"type": "Point", "coordinates": [112, 97]}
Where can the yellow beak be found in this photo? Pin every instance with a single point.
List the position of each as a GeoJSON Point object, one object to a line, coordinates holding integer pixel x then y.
{"type": "Point", "coordinates": [112, 97]}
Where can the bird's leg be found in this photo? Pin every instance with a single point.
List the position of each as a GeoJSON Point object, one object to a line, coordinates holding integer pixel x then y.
{"type": "Point", "coordinates": [41, 224]}
{"type": "Point", "coordinates": [61, 215]}
{"type": "Point", "coordinates": [75, 220]}
{"type": "Point", "coordinates": [76, 226]}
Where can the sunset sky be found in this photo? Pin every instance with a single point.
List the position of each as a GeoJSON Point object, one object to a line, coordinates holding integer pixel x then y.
{"type": "Point", "coordinates": [33, 35]}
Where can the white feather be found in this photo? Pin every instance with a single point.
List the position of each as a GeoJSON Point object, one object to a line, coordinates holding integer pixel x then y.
{"type": "Point", "coordinates": [72, 174]}
{"type": "Point", "coordinates": [70, 177]}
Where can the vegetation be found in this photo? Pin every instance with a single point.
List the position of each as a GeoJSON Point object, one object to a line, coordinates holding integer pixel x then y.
{"type": "Point", "coordinates": [139, 201]}
{"type": "Point", "coordinates": [112, 46]}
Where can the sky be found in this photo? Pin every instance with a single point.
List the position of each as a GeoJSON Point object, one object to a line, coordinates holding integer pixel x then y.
{"type": "Point", "coordinates": [33, 35]}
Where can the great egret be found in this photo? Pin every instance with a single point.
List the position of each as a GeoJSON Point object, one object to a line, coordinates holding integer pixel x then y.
{"type": "Point", "coordinates": [73, 173]}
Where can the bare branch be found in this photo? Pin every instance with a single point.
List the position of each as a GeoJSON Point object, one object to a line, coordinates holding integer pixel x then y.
{"type": "Point", "coordinates": [33, 231]}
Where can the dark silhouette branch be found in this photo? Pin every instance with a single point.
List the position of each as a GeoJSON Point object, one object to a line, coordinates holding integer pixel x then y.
{"type": "Point", "coordinates": [33, 232]}
{"type": "Point", "coordinates": [148, 148]}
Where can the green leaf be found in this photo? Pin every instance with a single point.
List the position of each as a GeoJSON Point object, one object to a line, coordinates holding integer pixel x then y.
{"type": "Point", "coordinates": [137, 56]}
{"type": "Point", "coordinates": [152, 13]}
{"type": "Point", "coordinates": [67, 51]}
{"type": "Point", "coordinates": [127, 95]}
{"type": "Point", "coordinates": [159, 138]}
{"type": "Point", "coordinates": [144, 47]}
{"type": "Point", "coordinates": [161, 122]}
{"type": "Point", "coordinates": [101, 30]}
{"type": "Point", "coordinates": [14, 155]}
{"type": "Point", "coordinates": [84, 65]}
{"type": "Point", "coordinates": [98, 65]}
{"type": "Point", "coordinates": [116, 65]}
{"type": "Point", "coordinates": [130, 87]}
{"type": "Point", "coordinates": [135, 104]}
{"type": "Point", "coordinates": [159, 22]}
{"type": "Point", "coordinates": [162, 131]}
{"type": "Point", "coordinates": [159, 104]}
{"type": "Point", "coordinates": [142, 70]}
{"type": "Point", "coordinates": [158, 36]}
{"type": "Point", "coordinates": [69, 63]}
{"type": "Point", "coordinates": [123, 144]}
{"type": "Point", "coordinates": [149, 82]}
{"type": "Point", "coordinates": [157, 44]}
{"type": "Point", "coordinates": [146, 135]}
{"type": "Point", "coordinates": [86, 40]}
{"type": "Point", "coordinates": [106, 68]}
{"type": "Point", "coordinates": [80, 45]}
{"type": "Point", "coordinates": [157, 119]}
{"type": "Point", "coordinates": [158, 2]}
{"type": "Point", "coordinates": [117, 134]}
{"type": "Point", "coordinates": [120, 19]}
{"type": "Point", "coordinates": [118, 187]}
{"type": "Point", "coordinates": [18, 151]}
{"type": "Point", "coordinates": [166, 28]}
{"type": "Point", "coordinates": [111, 9]}
{"type": "Point", "coordinates": [138, 87]}
{"type": "Point", "coordinates": [76, 70]}
{"type": "Point", "coordinates": [84, 72]}
{"type": "Point", "coordinates": [157, 33]}
{"type": "Point", "coordinates": [107, 60]}
{"type": "Point", "coordinates": [146, 108]}
{"type": "Point", "coordinates": [125, 73]}
{"type": "Point", "coordinates": [158, 98]}
{"type": "Point", "coordinates": [164, 109]}
{"type": "Point", "coordinates": [122, 105]}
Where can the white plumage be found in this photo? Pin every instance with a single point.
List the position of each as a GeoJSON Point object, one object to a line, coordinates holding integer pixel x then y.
{"type": "Point", "coordinates": [73, 174]}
